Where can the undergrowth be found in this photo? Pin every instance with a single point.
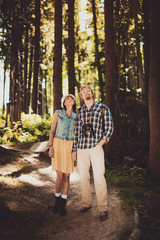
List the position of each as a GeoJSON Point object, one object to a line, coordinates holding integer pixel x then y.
{"type": "Point", "coordinates": [32, 128]}
{"type": "Point", "coordinates": [138, 193]}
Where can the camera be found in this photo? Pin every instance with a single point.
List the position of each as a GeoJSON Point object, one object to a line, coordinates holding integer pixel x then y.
{"type": "Point", "coordinates": [87, 129]}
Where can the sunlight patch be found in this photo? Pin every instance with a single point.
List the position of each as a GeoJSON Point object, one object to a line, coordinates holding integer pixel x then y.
{"type": "Point", "coordinates": [34, 180]}
{"type": "Point", "coordinates": [10, 181]}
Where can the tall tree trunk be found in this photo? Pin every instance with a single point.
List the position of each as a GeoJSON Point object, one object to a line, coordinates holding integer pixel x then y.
{"type": "Point", "coordinates": [146, 49]}
{"type": "Point", "coordinates": [45, 92]}
{"type": "Point", "coordinates": [139, 57]}
{"type": "Point", "coordinates": [25, 68]}
{"type": "Point", "coordinates": [36, 57]}
{"type": "Point", "coordinates": [57, 60]}
{"type": "Point", "coordinates": [97, 54]}
{"type": "Point", "coordinates": [30, 74]}
{"type": "Point", "coordinates": [40, 93]}
{"type": "Point", "coordinates": [154, 91]}
{"type": "Point", "coordinates": [14, 62]}
{"type": "Point", "coordinates": [20, 82]}
{"type": "Point", "coordinates": [120, 62]}
{"type": "Point", "coordinates": [110, 74]}
{"type": "Point", "coordinates": [4, 86]}
{"type": "Point", "coordinates": [71, 47]}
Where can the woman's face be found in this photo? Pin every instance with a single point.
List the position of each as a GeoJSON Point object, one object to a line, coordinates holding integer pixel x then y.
{"type": "Point", "coordinates": [69, 101]}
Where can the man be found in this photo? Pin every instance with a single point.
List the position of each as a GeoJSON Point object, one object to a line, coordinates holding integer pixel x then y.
{"type": "Point", "coordinates": [93, 129]}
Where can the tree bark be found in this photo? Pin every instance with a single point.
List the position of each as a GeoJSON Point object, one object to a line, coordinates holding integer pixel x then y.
{"type": "Point", "coordinates": [139, 57]}
{"type": "Point", "coordinates": [57, 60]}
{"type": "Point", "coordinates": [30, 74]}
{"type": "Point", "coordinates": [146, 49]}
{"type": "Point", "coordinates": [4, 85]}
{"type": "Point", "coordinates": [97, 54]}
{"type": "Point", "coordinates": [71, 47]}
{"type": "Point", "coordinates": [25, 68]}
{"type": "Point", "coordinates": [36, 57]}
{"type": "Point", "coordinates": [14, 63]}
{"type": "Point", "coordinates": [40, 93]}
{"type": "Point", "coordinates": [110, 75]}
{"type": "Point", "coordinates": [154, 91]}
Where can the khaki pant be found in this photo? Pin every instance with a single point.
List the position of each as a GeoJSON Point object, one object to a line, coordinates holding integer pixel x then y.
{"type": "Point", "coordinates": [95, 157]}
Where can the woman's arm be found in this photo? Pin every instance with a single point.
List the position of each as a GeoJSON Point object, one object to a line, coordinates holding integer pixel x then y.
{"type": "Point", "coordinates": [52, 134]}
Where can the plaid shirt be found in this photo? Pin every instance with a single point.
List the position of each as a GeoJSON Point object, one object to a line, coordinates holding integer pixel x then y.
{"type": "Point", "coordinates": [95, 117]}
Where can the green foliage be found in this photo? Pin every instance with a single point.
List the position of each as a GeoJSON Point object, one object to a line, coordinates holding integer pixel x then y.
{"type": "Point", "coordinates": [11, 134]}
{"type": "Point", "coordinates": [35, 128]}
{"type": "Point", "coordinates": [132, 128]}
{"type": "Point", "coordinates": [138, 192]}
{"type": "Point", "coordinates": [2, 121]}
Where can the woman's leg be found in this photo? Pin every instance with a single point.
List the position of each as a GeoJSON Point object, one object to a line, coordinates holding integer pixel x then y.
{"type": "Point", "coordinates": [65, 184]}
{"type": "Point", "coordinates": [59, 181]}
{"type": "Point", "coordinates": [65, 187]}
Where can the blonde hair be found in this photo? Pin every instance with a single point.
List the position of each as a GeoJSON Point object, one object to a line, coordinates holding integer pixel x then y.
{"type": "Point", "coordinates": [81, 89]}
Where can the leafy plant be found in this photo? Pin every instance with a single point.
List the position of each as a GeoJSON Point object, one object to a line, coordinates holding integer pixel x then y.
{"type": "Point", "coordinates": [34, 128]}
{"type": "Point", "coordinates": [138, 192]}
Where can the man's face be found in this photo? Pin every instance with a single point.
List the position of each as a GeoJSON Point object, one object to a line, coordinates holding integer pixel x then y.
{"type": "Point", "coordinates": [86, 94]}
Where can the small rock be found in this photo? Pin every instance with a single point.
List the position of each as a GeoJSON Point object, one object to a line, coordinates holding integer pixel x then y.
{"type": "Point", "coordinates": [135, 234]}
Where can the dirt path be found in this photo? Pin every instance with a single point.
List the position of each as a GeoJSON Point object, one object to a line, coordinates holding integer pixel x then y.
{"type": "Point", "coordinates": [31, 204]}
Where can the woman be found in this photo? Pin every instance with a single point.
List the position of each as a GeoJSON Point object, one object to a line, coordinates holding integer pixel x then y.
{"type": "Point", "coordinates": [60, 147]}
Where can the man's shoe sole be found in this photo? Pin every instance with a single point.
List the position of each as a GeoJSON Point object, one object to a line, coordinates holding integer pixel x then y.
{"type": "Point", "coordinates": [82, 214]}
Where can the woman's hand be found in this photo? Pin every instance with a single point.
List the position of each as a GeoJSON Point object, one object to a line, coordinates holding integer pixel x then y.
{"type": "Point", "coordinates": [51, 152]}
{"type": "Point", "coordinates": [74, 155]}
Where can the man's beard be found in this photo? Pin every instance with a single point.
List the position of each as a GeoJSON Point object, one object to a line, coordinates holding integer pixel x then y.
{"type": "Point", "coordinates": [88, 97]}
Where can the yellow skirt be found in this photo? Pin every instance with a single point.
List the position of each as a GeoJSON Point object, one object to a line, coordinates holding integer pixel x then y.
{"type": "Point", "coordinates": [62, 160]}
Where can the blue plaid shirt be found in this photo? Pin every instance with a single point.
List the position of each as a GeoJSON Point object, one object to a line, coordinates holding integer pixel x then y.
{"type": "Point", "coordinates": [102, 124]}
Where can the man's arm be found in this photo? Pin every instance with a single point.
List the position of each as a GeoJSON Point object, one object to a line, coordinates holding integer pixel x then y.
{"type": "Point", "coordinates": [108, 124]}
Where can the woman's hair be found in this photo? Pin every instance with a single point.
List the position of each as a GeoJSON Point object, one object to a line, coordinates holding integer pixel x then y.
{"type": "Point", "coordinates": [81, 89]}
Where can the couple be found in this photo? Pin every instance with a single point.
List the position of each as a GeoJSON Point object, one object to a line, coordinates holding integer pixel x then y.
{"type": "Point", "coordinates": [80, 136]}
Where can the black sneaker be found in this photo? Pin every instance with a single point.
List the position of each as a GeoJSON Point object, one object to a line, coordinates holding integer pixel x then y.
{"type": "Point", "coordinates": [103, 216]}
{"type": "Point", "coordinates": [84, 210]}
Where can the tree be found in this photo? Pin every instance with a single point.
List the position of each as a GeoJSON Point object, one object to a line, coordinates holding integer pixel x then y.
{"type": "Point", "coordinates": [36, 57]}
{"type": "Point", "coordinates": [110, 74]}
{"type": "Point", "coordinates": [28, 90]}
{"type": "Point", "coordinates": [146, 49]}
{"type": "Point", "coordinates": [97, 53]}
{"type": "Point", "coordinates": [25, 67]}
{"type": "Point", "coordinates": [71, 47]}
{"type": "Point", "coordinates": [15, 98]}
{"type": "Point", "coordinates": [57, 60]}
{"type": "Point", "coordinates": [154, 91]}
{"type": "Point", "coordinates": [139, 57]}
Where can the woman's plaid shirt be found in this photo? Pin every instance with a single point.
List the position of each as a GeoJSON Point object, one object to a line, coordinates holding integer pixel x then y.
{"type": "Point", "coordinates": [95, 116]}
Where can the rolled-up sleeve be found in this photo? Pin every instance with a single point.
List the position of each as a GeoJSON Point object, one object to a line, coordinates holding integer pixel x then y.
{"type": "Point", "coordinates": [108, 124]}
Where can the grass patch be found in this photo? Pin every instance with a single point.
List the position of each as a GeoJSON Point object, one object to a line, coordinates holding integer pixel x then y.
{"type": "Point", "coordinates": [137, 192]}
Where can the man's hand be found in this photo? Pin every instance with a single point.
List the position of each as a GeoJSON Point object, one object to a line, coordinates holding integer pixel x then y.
{"type": "Point", "coordinates": [102, 142]}
{"type": "Point", "coordinates": [74, 155]}
{"type": "Point", "coordinates": [51, 152]}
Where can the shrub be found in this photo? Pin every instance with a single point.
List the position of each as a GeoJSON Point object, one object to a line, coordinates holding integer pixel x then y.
{"type": "Point", "coordinates": [35, 128]}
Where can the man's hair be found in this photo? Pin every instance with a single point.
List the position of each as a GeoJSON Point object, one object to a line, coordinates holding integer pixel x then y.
{"type": "Point", "coordinates": [81, 89]}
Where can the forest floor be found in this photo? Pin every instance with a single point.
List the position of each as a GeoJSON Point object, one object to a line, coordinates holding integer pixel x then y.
{"type": "Point", "coordinates": [27, 185]}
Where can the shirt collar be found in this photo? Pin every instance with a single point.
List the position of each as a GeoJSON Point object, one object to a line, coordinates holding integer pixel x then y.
{"type": "Point", "coordinates": [92, 107]}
